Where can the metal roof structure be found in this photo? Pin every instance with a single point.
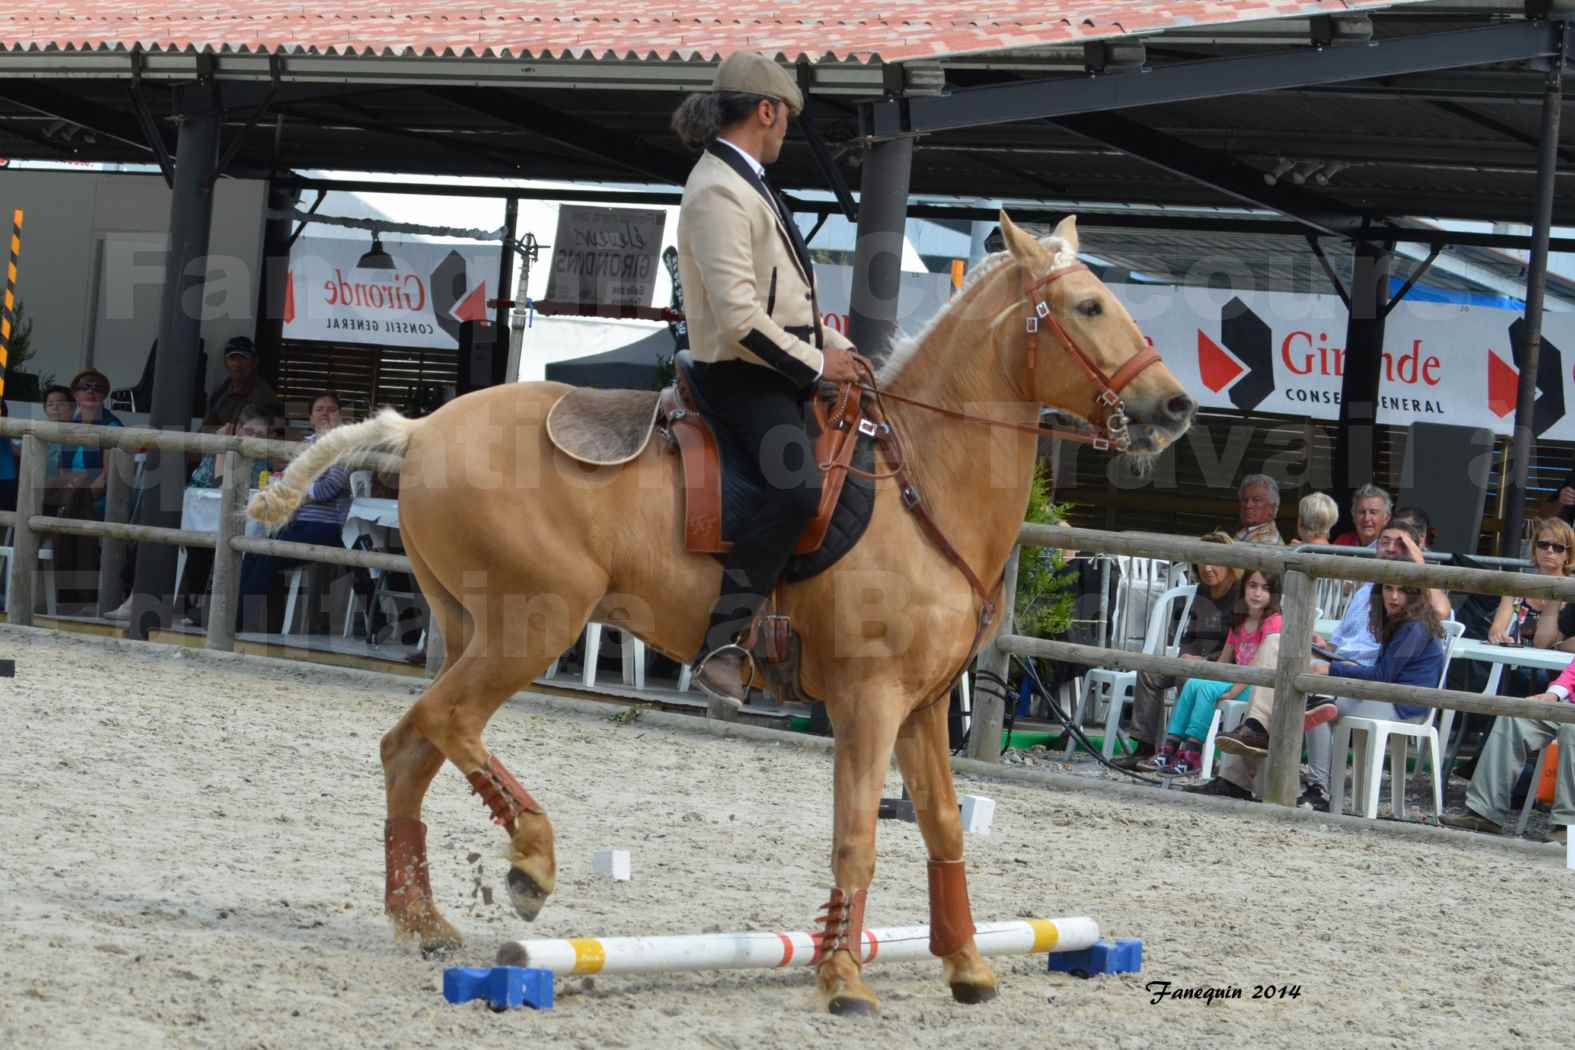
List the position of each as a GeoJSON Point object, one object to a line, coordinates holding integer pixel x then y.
{"type": "Point", "coordinates": [1366, 111]}
{"type": "Point", "coordinates": [705, 30]}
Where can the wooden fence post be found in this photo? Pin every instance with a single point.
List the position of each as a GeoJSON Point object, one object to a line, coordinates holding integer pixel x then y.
{"type": "Point", "coordinates": [117, 508]}
{"type": "Point", "coordinates": [1290, 703]}
{"type": "Point", "coordinates": [233, 491]}
{"type": "Point", "coordinates": [24, 542]}
{"type": "Point", "coordinates": [989, 707]}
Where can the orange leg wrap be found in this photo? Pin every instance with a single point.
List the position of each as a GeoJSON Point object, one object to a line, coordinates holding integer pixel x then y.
{"type": "Point", "coordinates": [842, 925]}
{"type": "Point", "coordinates": [405, 863]}
{"type": "Point", "coordinates": [502, 793]}
{"type": "Point", "coordinates": [951, 920]}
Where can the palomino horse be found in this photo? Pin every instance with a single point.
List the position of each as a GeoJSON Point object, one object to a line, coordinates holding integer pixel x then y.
{"type": "Point", "coordinates": [516, 547]}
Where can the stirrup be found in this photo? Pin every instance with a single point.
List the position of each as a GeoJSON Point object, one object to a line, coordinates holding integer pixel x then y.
{"type": "Point", "coordinates": [732, 703]}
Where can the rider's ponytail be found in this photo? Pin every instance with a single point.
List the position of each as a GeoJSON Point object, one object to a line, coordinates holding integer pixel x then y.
{"type": "Point", "coordinates": [699, 119]}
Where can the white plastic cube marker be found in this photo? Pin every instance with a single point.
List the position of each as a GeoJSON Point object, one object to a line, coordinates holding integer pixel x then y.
{"type": "Point", "coordinates": [977, 814]}
{"type": "Point", "coordinates": [613, 863]}
{"type": "Point", "coordinates": [1570, 858]}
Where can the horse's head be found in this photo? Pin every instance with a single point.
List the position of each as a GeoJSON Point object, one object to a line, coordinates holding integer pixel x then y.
{"type": "Point", "coordinates": [1083, 352]}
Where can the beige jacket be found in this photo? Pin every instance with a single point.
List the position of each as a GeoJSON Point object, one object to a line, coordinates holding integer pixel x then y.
{"type": "Point", "coordinates": [749, 288]}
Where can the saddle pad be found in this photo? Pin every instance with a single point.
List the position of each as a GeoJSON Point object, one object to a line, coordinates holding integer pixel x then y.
{"type": "Point", "coordinates": [741, 492]}
{"type": "Point", "coordinates": [602, 428]}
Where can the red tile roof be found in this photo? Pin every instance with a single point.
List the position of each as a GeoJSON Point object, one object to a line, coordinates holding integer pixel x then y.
{"type": "Point", "coordinates": [898, 30]}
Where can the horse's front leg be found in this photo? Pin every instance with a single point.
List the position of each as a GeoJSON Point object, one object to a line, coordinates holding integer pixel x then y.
{"type": "Point", "coordinates": [864, 734]}
{"type": "Point", "coordinates": [924, 756]}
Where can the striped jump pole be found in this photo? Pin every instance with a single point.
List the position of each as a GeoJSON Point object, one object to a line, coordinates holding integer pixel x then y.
{"type": "Point", "coordinates": [8, 317]}
{"type": "Point", "coordinates": [768, 951]}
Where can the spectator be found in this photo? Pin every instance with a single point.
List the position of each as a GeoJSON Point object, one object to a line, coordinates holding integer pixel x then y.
{"type": "Point", "coordinates": [242, 387]}
{"type": "Point", "coordinates": [1257, 616]}
{"type": "Point", "coordinates": [77, 491]}
{"type": "Point", "coordinates": [1315, 516]}
{"type": "Point", "coordinates": [58, 407]}
{"type": "Point", "coordinates": [1203, 639]}
{"type": "Point", "coordinates": [8, 462]}
{"type": "Point", "coordinates": [1504, 755]}
{"type": "Point", "coordinates": [1259, 496]}
{"type": "Point", "coordinates": [320, 519]}
{"type": "Point", "coordinates": [253, 423]}
{"type": "Point", "coordinates": [1370, 510]}
{"type": "Point", "coordinates": [1353, 641]}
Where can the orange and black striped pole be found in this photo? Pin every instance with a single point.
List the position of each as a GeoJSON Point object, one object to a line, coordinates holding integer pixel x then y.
{"type": "Point", "coordinates": [8, 318]}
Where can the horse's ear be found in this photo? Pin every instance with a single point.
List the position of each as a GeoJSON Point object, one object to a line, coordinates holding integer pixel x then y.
{"type": "Point", "coordinates": [1024, 247]}
{"type": "Point", "coordinates": [1066, 231]}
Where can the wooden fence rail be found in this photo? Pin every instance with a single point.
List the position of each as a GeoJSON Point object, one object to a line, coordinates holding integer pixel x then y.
{"type": "Point", "coordinates": [1291, 677]}
{"type": "Point", "coordinates": [1300, 572]}
{"type": "Point", "coordinates": [230, 543]}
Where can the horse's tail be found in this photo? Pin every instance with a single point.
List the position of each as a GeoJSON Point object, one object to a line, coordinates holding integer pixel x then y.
{"type": "Point", "coordinates": [388, 431]}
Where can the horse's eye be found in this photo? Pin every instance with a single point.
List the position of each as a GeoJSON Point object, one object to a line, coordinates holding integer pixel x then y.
{"type": "Point", "coordinates": [1090, 308]}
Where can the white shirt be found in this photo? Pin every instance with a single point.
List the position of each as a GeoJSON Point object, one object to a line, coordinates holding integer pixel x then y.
{"type": "Point", "coordinates": [758, 168]}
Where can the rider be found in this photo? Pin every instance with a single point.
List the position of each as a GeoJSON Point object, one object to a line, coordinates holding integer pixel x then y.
{"type": "Point", "coordinates": [755, 335]}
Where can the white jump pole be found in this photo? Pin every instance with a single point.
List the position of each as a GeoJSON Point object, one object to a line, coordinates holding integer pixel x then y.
{"type": "Point", "coordinates": [749, 951]}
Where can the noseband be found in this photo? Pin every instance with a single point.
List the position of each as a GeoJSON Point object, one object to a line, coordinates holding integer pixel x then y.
{"type": "Point", "coordinates": [1112, 433]}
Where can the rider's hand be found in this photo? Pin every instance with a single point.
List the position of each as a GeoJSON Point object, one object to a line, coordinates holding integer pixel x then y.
{"type": "Point", "coordinates": [843, 366]}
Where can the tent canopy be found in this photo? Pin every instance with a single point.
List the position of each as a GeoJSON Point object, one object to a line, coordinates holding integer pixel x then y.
{"type": "Point", "coordinates": [637, 366]}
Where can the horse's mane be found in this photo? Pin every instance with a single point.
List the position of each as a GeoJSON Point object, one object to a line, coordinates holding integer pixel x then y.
{"type": "Point", "coordinates": [904, 349]}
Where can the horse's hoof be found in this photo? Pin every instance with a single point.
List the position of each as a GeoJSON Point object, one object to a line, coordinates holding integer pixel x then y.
{"type": "Point", "coordinates": [526, 894]}
{"type": "Point", "coordinates": [973, 993]}
{"type": "Point", "coordinates": [849, 1006]}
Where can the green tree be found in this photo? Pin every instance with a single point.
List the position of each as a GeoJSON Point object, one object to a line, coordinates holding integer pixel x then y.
{"type": "Point", "coordinates": [20, 346]}
{"type": "Point", "coordinates": [1045, 596]}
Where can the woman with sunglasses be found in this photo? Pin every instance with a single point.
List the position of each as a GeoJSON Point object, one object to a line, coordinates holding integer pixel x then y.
{"type": "Point", "coordinates": [1535, 621]}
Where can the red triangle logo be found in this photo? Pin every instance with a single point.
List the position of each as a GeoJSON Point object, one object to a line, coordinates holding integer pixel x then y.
{"type": "Point", "coordinates": [1503, 386]}
{"type": "Point", "coordinates": [474, 306]}
{"type": "Point", "coordinates": [289, 297]}
{"type": "Point", "coordinates": [1217, 366]}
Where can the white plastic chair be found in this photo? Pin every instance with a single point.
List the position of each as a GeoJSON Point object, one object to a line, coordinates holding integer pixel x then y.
{"type": "Point", "coordinates": [46, 572]}
{"type": "Point", "coordinates": [1531, 794]}
{"type": "Point", "coordinates": [633, 658]}
{"type": "Point", "coordinates": [1369, 761]}
{"type": "Point", "coordinates": [1121, 685]}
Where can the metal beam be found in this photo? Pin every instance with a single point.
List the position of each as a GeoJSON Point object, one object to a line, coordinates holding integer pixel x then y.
{"type": "Point", "coordinates": [1218, 171]}
{"type": "Point", "coordinates": [1025, 211]}
{"type": "Point", "coordinates": [1187, 81]}
{"type": "Point", "coordinates": [1536, 282]}
{"type": "Point", "coordinates": [563, 129]}
{"type": "Point", "coordinates": [61, 106]}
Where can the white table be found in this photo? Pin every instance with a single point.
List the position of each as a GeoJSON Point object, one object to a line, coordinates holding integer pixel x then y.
{"type": "Point", "coordinates": [377, 519]}
{"type": "Point", "coordinates": [199, 512]}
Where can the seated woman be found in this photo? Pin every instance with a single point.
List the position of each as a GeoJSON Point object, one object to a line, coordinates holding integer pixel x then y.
{"type": "Point", "coordinates": [1256, 617]}
{"type": "Point", "coordinates": [77, 491]}
{"type": "Point", "coordinates": [1315, 516]}
{"type": "Point", "coordinates": [1411, 652]}
{"type": "Point", "coordinates": [320, 520]}
{"type": "Point", "coordinates": [252, 422]}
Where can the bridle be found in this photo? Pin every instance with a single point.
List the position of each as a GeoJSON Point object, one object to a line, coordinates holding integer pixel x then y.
{"type": "Point", "coordinates": [1108, 434]}
{"type": "Point", "coordinates": [1111, 432]}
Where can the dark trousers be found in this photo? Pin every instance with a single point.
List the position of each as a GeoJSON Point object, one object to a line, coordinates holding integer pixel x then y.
{"type": "Point", "coordinates": [766, 414]}
{"type": "Point", "coordinates": [258, 570]}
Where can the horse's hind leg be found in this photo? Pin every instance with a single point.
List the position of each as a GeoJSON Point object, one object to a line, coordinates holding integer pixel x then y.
{"type": "Point", "coordinates": [924, 756]}
{"type": "Point", "coordinates": [410, 761]}
{"type": "Point", "coordinates": [865, 730]}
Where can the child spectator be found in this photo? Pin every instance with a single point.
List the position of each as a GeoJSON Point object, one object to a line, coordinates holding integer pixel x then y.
{"type": "Point", "coordinates": [1257, 616]}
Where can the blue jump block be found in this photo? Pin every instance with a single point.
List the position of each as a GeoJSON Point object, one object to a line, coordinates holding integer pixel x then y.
{"type": "Point", "coordinates": [503, 987]}
{"type": "Point", "coordinates": [1124, 955]}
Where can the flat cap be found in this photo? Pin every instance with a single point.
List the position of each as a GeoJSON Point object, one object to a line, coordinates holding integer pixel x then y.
{"type": "Point", "coordinates": [755, 74]}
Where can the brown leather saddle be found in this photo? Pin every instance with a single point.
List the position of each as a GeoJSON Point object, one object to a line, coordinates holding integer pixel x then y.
{"type": "Point", "coordinates": [721, 484]}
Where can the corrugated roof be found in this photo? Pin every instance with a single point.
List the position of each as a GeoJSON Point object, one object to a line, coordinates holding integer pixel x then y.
{"type": "Point", "coordinates": [898, 30]}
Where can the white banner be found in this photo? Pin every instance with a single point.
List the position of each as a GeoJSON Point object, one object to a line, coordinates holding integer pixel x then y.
{"type": "Point", "coordinates": [421, 302]}
{"type": "Point", "coordinates": [1283, 352]}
